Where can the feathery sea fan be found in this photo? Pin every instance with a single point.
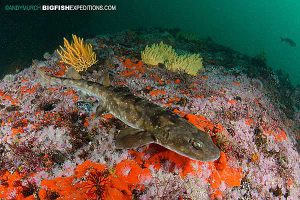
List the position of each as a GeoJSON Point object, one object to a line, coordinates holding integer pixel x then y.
{"type": "Point", "coordinates": [165, 54]}
{"type": "Point", "coordinates": [78, 54]}
{"type": "Point", "coordinates": [188, 63]}
{"type": "Point", "coordinates": [158, 54]}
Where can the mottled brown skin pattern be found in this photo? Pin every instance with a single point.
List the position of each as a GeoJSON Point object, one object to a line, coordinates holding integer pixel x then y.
{"type": "Point", "coordinates": [151, 123]}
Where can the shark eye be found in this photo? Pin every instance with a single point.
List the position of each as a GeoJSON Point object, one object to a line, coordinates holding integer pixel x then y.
{"type": "Point", "coordinates": [197, 144]}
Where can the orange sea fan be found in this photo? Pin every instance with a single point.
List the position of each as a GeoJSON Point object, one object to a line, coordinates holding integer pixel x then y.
{"type": "Point", "coordinates": [78, 54]}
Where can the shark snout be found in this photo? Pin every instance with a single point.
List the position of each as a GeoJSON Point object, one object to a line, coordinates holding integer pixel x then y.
{"type": "Point", "coordinates": [206, 150]}
{"type": "Point", "coordinates": [213, 153]}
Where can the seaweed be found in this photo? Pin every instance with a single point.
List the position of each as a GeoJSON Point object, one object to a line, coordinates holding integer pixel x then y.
{"type": "Point", "coordinates": [12, 108]}
{"type": "Point", "coordinates": [78, 132]}
{"type": "Point", "coordinates": [47, 105]}
{"type": "Point", "coordinates": [31, 157]}
{"type": "Point", "coordinates": [52, 195]}
{"type": "Point", "coordinates": [29, 189]}
{"type": "Point", "coordinates": [260, 139]}
{"type": "Point", "coordinates": [2, 155]}
{"type": "Point", "coordinates": [57, 156]}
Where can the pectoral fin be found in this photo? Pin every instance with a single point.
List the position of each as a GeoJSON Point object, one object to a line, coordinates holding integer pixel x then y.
{"type": "Point", "coordinates": [132, 138]}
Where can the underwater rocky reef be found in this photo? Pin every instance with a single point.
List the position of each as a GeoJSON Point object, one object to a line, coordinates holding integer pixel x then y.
{"type": "Point", "coordinates": [53, 144]}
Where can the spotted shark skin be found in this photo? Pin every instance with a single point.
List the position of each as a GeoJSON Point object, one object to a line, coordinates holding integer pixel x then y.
{"type": "Point", "coordinates": [148, 122]}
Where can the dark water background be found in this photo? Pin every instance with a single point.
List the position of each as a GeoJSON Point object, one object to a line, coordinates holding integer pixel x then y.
{"type": "Point", "coordinates": [251, 27]}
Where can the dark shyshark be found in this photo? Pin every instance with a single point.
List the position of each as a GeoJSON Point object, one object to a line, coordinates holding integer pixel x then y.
{"type": "Point", "coordinates": [147, 122]}
{"type": "Point", "coordinates": [289, 41]}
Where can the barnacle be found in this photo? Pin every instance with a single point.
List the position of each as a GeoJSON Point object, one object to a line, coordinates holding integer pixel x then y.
{"type": "Point", "coordinates": [78, 54]}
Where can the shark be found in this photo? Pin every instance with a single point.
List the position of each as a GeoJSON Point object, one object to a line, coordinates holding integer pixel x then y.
{"type": "Point", "coordinates": [147, 122]}
{"type": "Point", "coordinates": [289, 41]}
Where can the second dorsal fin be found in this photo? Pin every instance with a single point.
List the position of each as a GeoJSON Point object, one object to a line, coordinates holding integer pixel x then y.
{"type": "Point", "coordinates": [72, 74]}
{"type": "Point", "coordinates": [106, 79]}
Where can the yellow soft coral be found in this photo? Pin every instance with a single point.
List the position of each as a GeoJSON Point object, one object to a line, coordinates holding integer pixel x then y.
{"type": "Point", "coordinates": [165, 54]}
{"type": "Point", "coordinates": [157, 54]}
{"type": "Point", "coordinates": [189, 64]}
{"type": "Point", "coordinates": [78, 54]}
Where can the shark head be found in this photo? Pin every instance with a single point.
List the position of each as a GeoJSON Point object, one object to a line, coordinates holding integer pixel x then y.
{"type": "Point", "coordinates": [185, 139]}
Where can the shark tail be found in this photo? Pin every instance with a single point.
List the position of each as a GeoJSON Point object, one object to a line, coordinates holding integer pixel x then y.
{"type": "Point", "coordinates": [87, 87]}
{"type": "Point", "coordinates": [48, 79]}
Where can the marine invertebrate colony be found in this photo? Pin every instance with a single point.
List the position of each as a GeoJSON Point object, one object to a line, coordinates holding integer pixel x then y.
{"type": "Point", "coordinates": [78, 54]}
{"type": "Point", "coordinates": [165, 54]}
{"type": "Point", "coordinates": [158, 54]}
{"type": "Point", "coordinates": [189, 64]}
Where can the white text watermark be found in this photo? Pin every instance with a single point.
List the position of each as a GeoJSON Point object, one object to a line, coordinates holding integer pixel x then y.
{"type": "Point", "coordinates": [60, 7]}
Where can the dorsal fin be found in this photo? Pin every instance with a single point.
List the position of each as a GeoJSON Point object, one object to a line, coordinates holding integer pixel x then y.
{"type": "Point", "coordinates": [106, 79]}
{"type": "Point", "coordinates": [72, 74]}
